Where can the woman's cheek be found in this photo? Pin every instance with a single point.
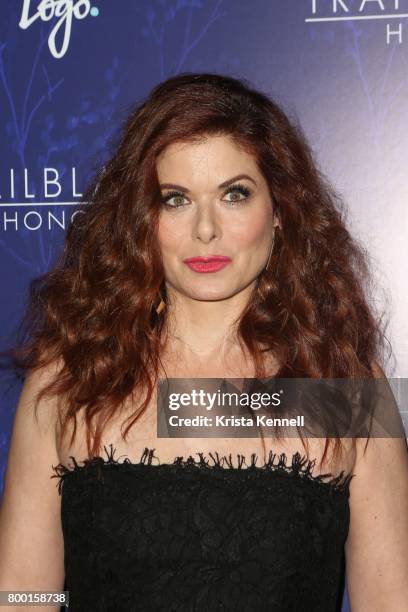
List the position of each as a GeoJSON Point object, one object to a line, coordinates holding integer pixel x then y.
{"type": "Point", "coordinates": [251, 235]}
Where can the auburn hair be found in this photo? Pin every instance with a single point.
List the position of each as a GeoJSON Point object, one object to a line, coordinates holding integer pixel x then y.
{"type": "Point", "coordinates": [94, 311]}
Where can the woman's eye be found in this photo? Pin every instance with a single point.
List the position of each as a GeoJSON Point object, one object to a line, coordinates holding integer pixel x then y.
{"type": "Point", "coordinates": [239, 193]}
{"type": "Point", "coordinates": [173, 195]}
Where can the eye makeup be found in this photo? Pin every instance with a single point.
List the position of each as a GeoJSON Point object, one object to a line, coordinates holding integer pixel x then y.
{"type": "Point", "coordinates": [235, 188]}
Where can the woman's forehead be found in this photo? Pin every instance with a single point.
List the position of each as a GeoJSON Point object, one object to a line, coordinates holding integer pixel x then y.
{"type": "Point", "coordinates": [218, 159]}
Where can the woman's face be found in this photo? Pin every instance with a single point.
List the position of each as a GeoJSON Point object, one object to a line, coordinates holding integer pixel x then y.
{"type": "Point", "coordinates": [214, 211]}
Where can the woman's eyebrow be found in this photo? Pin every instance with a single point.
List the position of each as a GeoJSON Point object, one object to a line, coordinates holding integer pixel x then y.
{"type": "Point", "coordinates": [224, 184]}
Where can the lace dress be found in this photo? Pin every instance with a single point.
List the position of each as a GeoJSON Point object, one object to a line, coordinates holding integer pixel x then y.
{"type": "Point", "coordinates": [203, 535]}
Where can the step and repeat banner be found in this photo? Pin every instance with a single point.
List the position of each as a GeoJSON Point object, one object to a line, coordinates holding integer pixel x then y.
{"type": "Point", "coordinates": [70, 71]}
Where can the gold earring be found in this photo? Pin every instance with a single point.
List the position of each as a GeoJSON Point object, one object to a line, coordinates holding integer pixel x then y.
{"type": "Point", "coordinates": [161, 306]}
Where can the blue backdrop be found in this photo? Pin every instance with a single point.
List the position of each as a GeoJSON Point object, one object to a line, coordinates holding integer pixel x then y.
{"type": "Point", "coordinates": [69, 75]}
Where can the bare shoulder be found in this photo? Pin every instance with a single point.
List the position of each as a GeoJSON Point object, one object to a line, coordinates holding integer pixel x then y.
{"type": "Point", "coordinates": [35, 417]}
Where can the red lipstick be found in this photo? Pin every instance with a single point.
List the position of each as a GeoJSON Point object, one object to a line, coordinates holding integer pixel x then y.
{"type": "Point", "coordinates": [212, 263]}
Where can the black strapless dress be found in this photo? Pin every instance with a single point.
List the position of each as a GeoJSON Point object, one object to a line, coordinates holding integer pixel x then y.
{"type": "Point", "coordinates": [203, 535]}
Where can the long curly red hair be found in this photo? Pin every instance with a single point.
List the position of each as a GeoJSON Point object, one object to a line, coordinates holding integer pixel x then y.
{"type": "Point", "coordinates": [94, 311]}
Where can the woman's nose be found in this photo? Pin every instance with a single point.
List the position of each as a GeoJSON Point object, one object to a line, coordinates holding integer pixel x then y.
{"type": "Point", "coordinates": [207, 223]}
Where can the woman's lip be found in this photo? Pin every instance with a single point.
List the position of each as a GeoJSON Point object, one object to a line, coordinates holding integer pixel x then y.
{"type": "Point", "coordinates": [212, 258]}
{"type": "Point", "coordinates": [202, 266]}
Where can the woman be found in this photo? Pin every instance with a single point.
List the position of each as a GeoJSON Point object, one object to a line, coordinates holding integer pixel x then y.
{"type": "Point", "coordinates": [206, 166]}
